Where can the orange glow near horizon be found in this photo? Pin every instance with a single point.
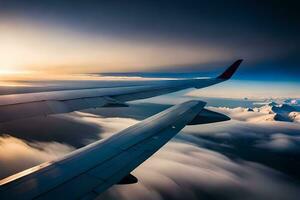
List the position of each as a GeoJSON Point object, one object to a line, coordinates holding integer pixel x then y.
{"type": "Point", "coordinates": [28, 46]}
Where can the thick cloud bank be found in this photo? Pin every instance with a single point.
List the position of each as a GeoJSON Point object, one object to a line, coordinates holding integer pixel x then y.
{"type": "Point", "coordinates": [250, 157]}
{"type": "Point", "coordinates": [282, 142]}
{"type": "Point", "coordinates": [183, 171]}
{"type": "Point", "coordinates": [17, 155]}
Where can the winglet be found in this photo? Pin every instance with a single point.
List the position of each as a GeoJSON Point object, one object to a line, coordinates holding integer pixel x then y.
{"type": "Point", "coordinates": [230, 71]}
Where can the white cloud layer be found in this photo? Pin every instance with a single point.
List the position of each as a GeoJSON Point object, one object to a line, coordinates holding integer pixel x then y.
{"type": "Point", "coordinates": [17, 155]}
{"type": "Point", "coordinates": [185, 168]}
{"type": "Point", "coordinates": [183, 171]}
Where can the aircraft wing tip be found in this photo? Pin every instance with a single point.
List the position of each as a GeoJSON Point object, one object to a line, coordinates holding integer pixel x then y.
{"type": "Point", "coordinates": [227, 74]}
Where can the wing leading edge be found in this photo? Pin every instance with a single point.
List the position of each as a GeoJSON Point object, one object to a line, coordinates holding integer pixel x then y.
{"type": "Point", "coordinates": [19, 106]}
{"type": "Point", "coordinates": [89, 171]}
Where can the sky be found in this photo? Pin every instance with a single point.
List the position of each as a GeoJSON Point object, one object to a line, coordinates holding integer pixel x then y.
{"type": "Point", "coordinates": [247, 157]}
{"type": "Point", "coordinates": [150, 36]}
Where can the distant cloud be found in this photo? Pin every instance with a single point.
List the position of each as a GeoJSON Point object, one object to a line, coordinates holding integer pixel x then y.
{"type": "Point", "coordinates": [268, 112]}
{"type": "Point", "coordinates": [281, 143]}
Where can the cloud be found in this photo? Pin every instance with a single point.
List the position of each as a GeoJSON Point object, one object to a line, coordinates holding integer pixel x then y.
{"type": "Point", "coordinates": [195, 164]}
{"type": "Point", "coordinates": [295, 116]}
{"type": "Point", "coordinates": [61, 128]}
{"type": "Point", "coordinates": [17, 155]}
{"type": "Point", "coordinates": [184, 171]}
{"type": "Point", "coordinates": [258, 127]}
{"type": "Point", "coordinates": [281, 143]}
{"type": "Point", "coordinates": [110, 125]}
{"type": "Point", "coordinates": [242, 114]}
{"type": "Point", "coordinates": [38, 146]}
{"type": "Point", "coordinates": [237, 159]}
{"type": "Point", "coordinates": [269, 112]}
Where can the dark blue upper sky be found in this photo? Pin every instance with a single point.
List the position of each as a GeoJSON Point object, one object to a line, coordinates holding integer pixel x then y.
{"type": "Point", "coordinates": [264, 33]}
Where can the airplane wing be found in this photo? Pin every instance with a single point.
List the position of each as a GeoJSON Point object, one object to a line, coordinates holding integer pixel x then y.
{"type": "Point", "coordinates": [89, 171]}
{"type": "Point", "coordinates": [26, 105]}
